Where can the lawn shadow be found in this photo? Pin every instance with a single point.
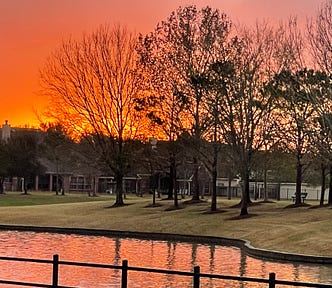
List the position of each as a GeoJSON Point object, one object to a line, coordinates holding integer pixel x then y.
{"type": "Point", "coordinates": [293, 205]}
{"type": "Point", "coordinates": [118, 206]}
{"type": "Point", "coordinates": [194, 202]}
{"type": "Point", "coordinates": [266, 202]}
{"type": "Point", "coordinates": [173, 208]}
{"type": "Point", "coordinates": [250, 204]}
{"type": "Point", "coordinates": [166, 199]}
{"type": "Point", "coordinates": [218, 211]}
{"type": "Point", "coordinates": [155, 205]}
{"type": "Point", "coordinates": [320, 206]}
{"type": "Point", "coordinates": [241, 217]}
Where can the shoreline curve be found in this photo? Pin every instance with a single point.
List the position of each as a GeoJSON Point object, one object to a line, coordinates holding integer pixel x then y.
{"type": "Point", "coordinates": [242, 244]}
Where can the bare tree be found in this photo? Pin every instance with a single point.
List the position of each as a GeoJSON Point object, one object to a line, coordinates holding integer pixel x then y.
{"type": "Point", "coordinates": [179, 53]}
{"type": "Point", "coordinates": [322, 151]}
{"type": "Point", "coordinates": [245, 108]}
{"type": "Point", "coordinates": [299, 93]}
{"type": "Point", "coordinates": [320, 37]}
{"type": "Point", "coordinates": [289, 47]}
{"type": "Point", "coordinates": [95, 88]}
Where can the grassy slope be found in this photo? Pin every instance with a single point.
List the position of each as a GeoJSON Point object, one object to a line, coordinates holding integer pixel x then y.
{"type": "Point", "coordinates": [299, 230]}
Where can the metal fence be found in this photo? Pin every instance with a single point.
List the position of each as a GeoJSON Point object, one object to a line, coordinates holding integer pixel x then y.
{"type": "Point", "coordinates": [196, 275]}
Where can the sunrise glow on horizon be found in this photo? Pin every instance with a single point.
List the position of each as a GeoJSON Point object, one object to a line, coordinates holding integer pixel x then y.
{"type": "Point", "coordinates": [31, 30]}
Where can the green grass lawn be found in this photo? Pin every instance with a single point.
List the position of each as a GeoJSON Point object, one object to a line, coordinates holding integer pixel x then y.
{"type": "Point", "coordinates": [271, 225]}
{"type": "Point", "coordinates": [43, 198]}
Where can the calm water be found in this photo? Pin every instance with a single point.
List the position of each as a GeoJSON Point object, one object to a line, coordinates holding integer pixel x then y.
{"type": "Point", "coordinates": [142, 253]}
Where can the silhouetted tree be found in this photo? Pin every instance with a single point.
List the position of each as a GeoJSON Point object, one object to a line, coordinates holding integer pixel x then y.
{"type": "Point", "coordinates": [178, 53]}
{"type": "Point", "coordinates": [4, 163]}
{"type": "Point", "coordinates": [320, 37]}
{"type": "Point", "coordinates": [57, 148]}
{"type": "Point", "coordinates": [245, 109]}
{"type": "Point", "coordinates": [322, 152]}
{"type": "Point", "coordinates": [95, 89]}
{"type": "Point", "coordinates": [24, 154]}
{"type": "Point", "coordinates": [300, 96]}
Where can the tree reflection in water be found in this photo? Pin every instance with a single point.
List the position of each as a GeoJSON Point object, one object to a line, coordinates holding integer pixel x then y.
{"type": "Point", "coordinates": [212, 259]}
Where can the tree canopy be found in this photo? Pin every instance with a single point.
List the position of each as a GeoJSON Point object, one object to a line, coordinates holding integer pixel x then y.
{"type": "Point", "coordinates": [194, 78]}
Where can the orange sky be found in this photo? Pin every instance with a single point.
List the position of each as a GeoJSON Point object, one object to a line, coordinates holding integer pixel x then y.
{"type": "Point", "coordinates": [31, 29]}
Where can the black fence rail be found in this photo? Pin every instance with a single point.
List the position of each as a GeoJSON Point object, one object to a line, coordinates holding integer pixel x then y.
{"type": "Point", "coordinates": [196, 274]}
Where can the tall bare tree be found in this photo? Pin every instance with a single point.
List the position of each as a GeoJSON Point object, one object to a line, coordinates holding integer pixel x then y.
{"type": "Point", "coordinates": [320, 40]}
{"type": "Point", "coordinates": [244, 115]}
{"type": "Point", "coordinates": [179, 52]}
{"type": "Point", "coordinates": [320, 37]}
{"type": "Point", "coordinates": [322, 151]}
{"type": "Point", "coordinates": [299, 93]}
{"type": "Point", "coordinates": [95, 89]}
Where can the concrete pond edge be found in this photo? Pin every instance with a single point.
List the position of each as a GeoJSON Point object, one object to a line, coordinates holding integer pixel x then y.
{"type": "Point", "coordinates": [243, 244]}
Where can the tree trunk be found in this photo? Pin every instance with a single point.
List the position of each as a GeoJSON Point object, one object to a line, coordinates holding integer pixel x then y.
{"type": "Point", "coordinates": [119, 189]}
{"type": "Point", "coordinates": [94, 186]}
{"type": "Point", "coordinates": [329, 202]}
{"type": "Point", "coordinates": [266, 196]}
{"type": "Point", "coordinates": [229, 192]}
{"type": "Point", "coordinates": [245, 194]}
{"type": "Point", "coordinates": [171, 186]}
{"type": "Point", "coordinates": [214, 178]}
{"type": "Point", "coordinates": [1, 185]}
{"type": "Point", "coordinates": [214, 191]}
{"type": "Point", "coordinates": [298, 183]}
{"type": "Point", "coordinates": [196, 180]}
{"type": "Point", "coordinates": [89, 179]}
{"type": "Point", "coordinates": [322, 192]}
{"type": "Point", "coordinates": [25, 186]}
{"type": "Point", "coordinates": [175, 188]}
{"type": "Point", "coordinates": [57, 184]}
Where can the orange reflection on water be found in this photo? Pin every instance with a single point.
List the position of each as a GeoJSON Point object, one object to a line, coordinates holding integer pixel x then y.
{"type": "Point", "coordinates": [212, 259]}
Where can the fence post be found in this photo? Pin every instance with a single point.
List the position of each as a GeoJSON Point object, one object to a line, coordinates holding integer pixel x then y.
{"type": "Point", "coordinates": [272, 280]}
{"type": "Point", "coordinates": [124, 277]}
{"type": "Point", "coordinates": [55, 274]}
{"type": "Point", "coordinates": [197, 271]}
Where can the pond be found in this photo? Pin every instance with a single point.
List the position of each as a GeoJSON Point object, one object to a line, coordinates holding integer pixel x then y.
{"type": "Point", "coordinates": [214, 259]}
